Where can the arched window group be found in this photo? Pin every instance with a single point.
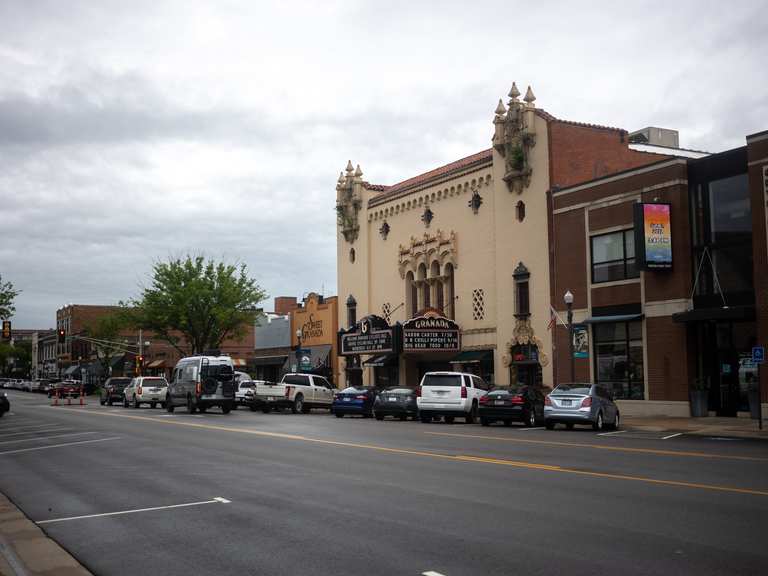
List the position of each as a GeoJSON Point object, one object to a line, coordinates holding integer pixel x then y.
{"type": "Point", "coordinates": [431, 287]}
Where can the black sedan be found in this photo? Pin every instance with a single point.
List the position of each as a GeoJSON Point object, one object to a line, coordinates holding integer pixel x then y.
{"type": "Point", "coordinates": [397, 402]}
{"type": "Point", "coordinates": [354, 401]}
{"type": "Point", "coordinates": [518, 403]}
{"type": "Point", "coordinates": [113, 390]}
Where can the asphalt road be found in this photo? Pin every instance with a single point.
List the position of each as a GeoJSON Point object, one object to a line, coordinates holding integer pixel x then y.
{"type": "Point", "coordinates": [312, 494]}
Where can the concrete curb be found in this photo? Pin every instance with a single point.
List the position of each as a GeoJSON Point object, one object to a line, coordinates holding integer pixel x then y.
{"type": "Point", "coordinates": [725, 428]}
{"type": "Point", "coordinates": [25, 550]}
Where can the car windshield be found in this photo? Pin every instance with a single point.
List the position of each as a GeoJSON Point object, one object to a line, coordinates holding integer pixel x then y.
{"type": "Point", "coordinates": [572, 389]}
{"type": "Point", "coordinates": [442, 380]}
{"type": "Point", "coordinates": [154, 382]}
{"type": "Point", "coordinates": [246, 384]}
{"type": "Point", "coordinates": [353, 390]}
{"type": "Point", "coordinates": [120, 381]}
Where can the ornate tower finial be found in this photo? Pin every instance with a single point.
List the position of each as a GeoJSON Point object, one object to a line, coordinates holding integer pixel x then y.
{"type": "Point", "coordinates": [341, 177]}
{"type": "Point", "coordinates": [500, 110]}
{"type": "Point", "coordinates": [514, 93]}
{"type": "Point", "coordinates": [529, 97]}
{"type": "Point", "coordinates": [350, 169]}
{"type": "Point", "coordinates": [358, 172]}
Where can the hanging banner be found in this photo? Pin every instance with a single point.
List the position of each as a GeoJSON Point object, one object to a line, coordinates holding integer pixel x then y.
{"type": "Point", "coordinates": [653, 236]}
{"type": "Point", "coordinates": [580, 341]}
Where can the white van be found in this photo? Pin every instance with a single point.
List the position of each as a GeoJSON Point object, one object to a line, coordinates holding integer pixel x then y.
{"type": "Point", "coordinates": [200, 382]}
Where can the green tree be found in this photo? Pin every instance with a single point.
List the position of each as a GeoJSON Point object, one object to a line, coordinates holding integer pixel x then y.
{"type": "Point", "coordinates": [195, 305]}
{"type": "Point", "coordinates": [16, 359]}
{"type": "Point", "coordinates": [107, 330]}
{"type": "Point", "coordinates": [7, 296]}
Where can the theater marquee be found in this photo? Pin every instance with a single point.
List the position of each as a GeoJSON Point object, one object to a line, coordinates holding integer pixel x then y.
{"type": "Point", "coordinates": [431, 333]}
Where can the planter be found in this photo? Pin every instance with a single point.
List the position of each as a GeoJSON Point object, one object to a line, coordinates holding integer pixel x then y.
{"type": "Point", "coordinates": [699, 403]}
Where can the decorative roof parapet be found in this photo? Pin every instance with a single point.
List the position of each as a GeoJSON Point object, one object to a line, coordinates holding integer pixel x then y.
{"type": "Point", "coordinates": [514, 136]}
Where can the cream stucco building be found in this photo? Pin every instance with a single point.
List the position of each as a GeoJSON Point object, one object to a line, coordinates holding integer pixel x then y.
{"type": "Point", "coordinates": [468, 241]}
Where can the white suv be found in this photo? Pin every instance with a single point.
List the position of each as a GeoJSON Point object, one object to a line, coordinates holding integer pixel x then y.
{"type": "Point", "coordinates": [450, 394]}
{"type": "Point", "coordinates": [145, 390]}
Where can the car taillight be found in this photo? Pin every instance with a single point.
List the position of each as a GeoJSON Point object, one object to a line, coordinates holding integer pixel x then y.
{"type": "Point", "coordinates": [138, 390]}
{"type": "Point", "coordinates": [360, 397]}
{"type": "Point", "coordinates": [587, 402]}
{"type": "Point", "coordinates": [463, 391]}
{"type": "Point", "coordinates": [198, 388]}
{"type": "Point", "coordinates": [418, 391]}
{"type": "Point", "coordinates": [547, 401]}
{"type": "Point", "coordinates": [484, 399]}
{"type": "Point", "coordinates": [517, 399]}
{"type": "Point", "coordinates": [287, 391]}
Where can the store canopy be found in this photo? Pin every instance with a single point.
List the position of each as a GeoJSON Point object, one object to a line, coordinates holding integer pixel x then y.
{"type": "Point", "coordinates": [156, 364]}
{"type": "Point", "coordinates": [269, 360]}
{"type": "Point", "coordinates": [472, 357]}
{"type": "Point", "coordinates": [319, 354]}
{"type": "Point", "coordinates": [382, 360]}
{"type": "Point", "coordinates": [725, 313]}
{"type": "Point", "coordinates": [606, 319]}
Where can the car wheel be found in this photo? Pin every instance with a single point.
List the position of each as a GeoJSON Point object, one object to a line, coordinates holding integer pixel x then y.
{"type": "Point", "coordinates": [226, 408]}
{"type": "Point", "coordinates": [484, 421]}
{"type": "Point", "coordinates": [305, 408]}
{"type": "Point", "coordinates": [109, 401]}
{"type": "Point", "coordinates": [549, 425]}
{"type": "Point", "coordinates": [191, 408]}
{"type": "Point", "coordinates": [234, 406]}
{"type": "Point", "coordinates": [202, 409]}
{"type": "Point", "coordinates": [402, 417]}
{"type": "Point", "coordinates": [135, 403]}
{"type": "Point", "coordinates": [153, 405]}
{"type": "Point", "coordinates": [530, 418]}
{"type": "Point", "coordinates": [507, 422]}
{"type": "Point", "coordinates": [569, 425]}
{"type": "Point", "coordinates": [425, 418]}
{"type": "Point", "coordinates": [298, 404]}
{"type": "Point", "coordinates": [125, 402]}
{"type": "Point", "coordinates": [265, 409]}
{"type": "Point", "coordinates": [598, 425]}
{"type": "Point", "coordinates": [169, 407]}
{"type": "Point", "coordinates": [103, 401]}
{"type": "Point", "coordinates": [379, 416]}
{"type": "Point", "coordinates": [616, 422]}
{"type": "Point", "coordinates": [339, 415]}
{"type": "Point", "coordinates": [448, 419]}
{"type": "Point", "coordinates": [470, 417]}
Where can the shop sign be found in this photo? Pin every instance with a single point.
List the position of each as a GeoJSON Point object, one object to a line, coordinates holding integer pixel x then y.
{"type": "Point", "coordinates": [431, 332]}
{"type": "Point", "coordinates": [653, 236]}
{"type": "Point", "coordinates": [305, 359]}
{"type": "Point", "coordinates": [372, 335]}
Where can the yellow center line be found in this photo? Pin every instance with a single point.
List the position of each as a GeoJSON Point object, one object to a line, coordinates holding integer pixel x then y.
{"type": "Point", "coordinates": [423, 453]}
{"type": "Point", "coordinates": [604, 447]}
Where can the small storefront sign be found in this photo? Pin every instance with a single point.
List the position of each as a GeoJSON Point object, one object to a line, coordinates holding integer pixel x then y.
{"type": "Point", "coordinates": [431, 332]}
{"type": "Point", "coordinates": [758, 354]}
{"type": "Point", "coordinates": [372, 335]}
{"type": "Point", "coordinates": [653, 236]}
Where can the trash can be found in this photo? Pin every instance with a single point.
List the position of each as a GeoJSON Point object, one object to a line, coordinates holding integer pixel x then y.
{"type": "Point", "coordinates": [754, 403]}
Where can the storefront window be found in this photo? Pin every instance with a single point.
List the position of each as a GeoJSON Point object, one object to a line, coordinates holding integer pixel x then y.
{"type": "Point", "coordinates": [613, 257]}
{"type": "Point", "coordinates": [619, 358]}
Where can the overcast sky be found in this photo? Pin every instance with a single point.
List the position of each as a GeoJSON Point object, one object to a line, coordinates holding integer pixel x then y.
{"type": "Point", "coordinates": [137, 131]}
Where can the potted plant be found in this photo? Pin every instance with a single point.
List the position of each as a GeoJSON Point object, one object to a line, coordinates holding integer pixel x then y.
{"type": "Point", "coordinates": [699, 397]}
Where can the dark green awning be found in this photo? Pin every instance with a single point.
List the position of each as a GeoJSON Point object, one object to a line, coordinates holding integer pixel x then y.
{"type": "Point", "coordinates": [472, 357]}
{"type": "Point", "coordinates": [382, 360]}
{"type": "Point", "coordinates": [606, 319]}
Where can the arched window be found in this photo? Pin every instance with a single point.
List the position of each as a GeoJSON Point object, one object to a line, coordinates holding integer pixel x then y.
{"type": "Point", "coordinates": [436, 286]}
{"type": "Point", "coordinates": [423, 300]}
{"type": "Point", "coordinates": [450, 305]}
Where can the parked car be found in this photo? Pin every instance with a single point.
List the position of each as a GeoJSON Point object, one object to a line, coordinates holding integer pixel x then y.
{"type": "Point", "coordinates": [114, 390]}
{"type": "Point", "coordinates": [5, 404]}
{"type": "Point", "coordinates": [516, 403]}
{"type": "Point", "coordinates": [201, 382]}
{"type": "Point", "coordinates": [354, 401]}
{"type": "Point", "coordinates": [397, 402]}
{"type": "Point", "coordinates": [299, 392]}
{"type": "Point", "coordinates": [145, 390]}
{"type": "Point", "coordinates": [65, 389]}
{"type": "Point", "coordinates": [588, 404]}
{"type": "Point", "coordinates": [243, 383]}
{"type": "Point", "coordinates": [450, 394]}
{"type": "Point", "coordinates": [42, 386]}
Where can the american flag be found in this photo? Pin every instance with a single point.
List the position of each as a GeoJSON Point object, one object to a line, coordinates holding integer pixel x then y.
{"type": "Point", "coordinates": [554, 318]}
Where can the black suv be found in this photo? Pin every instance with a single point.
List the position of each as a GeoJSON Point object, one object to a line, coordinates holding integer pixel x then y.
{"type": "Point", "coordinates": [113, 391]}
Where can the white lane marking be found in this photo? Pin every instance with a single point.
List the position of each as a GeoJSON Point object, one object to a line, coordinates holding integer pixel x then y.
{"type": "Point", "coordinates": [58, 445]}
{"type": "Point", "coordinates": [532, 428]}
{"type": "Point", "coordinates": [44, 437]}
{"type": "Point", "coordinates": [431, 573]}
{"type": "Point", "coordinates": [672, 436]}
{"type": "Point", "coordinates": [612, 433]}
{"type": "Point", "coordinates": [217, 500]}
{"type": "Point", "coordinates": [36, 432]}
{"type": "Point", "coordinates": [28, 427]}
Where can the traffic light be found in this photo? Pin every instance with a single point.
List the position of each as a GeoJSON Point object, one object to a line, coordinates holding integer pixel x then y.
{"type": "Point", "coordinates": [6, 329]}
{"type": "Point", "coordinates": [139, 364]}
{"type": "Point", "coordinates": [62, 336]}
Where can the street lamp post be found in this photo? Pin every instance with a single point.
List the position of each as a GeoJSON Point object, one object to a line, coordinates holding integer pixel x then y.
{"type": "Point", "coordinates": [298, 351]}
{"type": "Point", "coordinates": [568, 299]}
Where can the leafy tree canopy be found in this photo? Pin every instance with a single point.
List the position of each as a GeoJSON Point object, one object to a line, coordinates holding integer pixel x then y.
{"type": "Point", "coordinates": [7, 296]}
{"type": "Point", "coordinates": [196, 305]}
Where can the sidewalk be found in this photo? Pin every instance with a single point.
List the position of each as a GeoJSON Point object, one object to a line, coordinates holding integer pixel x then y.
{"type": "Point", "coordinates": [711, 426]}
{"type": "Point", "coordinates": [26, 550]}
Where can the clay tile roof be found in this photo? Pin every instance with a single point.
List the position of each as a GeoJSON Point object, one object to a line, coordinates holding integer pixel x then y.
{"type": "Point", "coordinates": [549, 118]}
{"type": "Point", "coordinates": [376, 187]}
{"type": "Point", "coordinates": [437, 173]}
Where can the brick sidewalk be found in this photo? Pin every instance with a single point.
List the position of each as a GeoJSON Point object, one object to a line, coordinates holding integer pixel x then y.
{"type": "Point", "coordinates": [26, 550]}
